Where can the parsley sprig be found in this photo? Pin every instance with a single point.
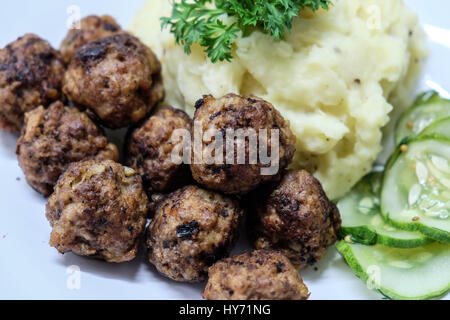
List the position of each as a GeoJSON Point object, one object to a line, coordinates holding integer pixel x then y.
{"type": "Point", "coordinates": [203, 21]}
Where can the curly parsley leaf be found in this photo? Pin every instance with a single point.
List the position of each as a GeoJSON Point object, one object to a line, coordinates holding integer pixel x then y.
{"type": "Point", "coordinates": [203, 21]}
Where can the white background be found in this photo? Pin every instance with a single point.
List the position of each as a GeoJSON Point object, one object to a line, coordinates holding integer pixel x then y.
{"type": "Point", "coordinates": [30, 269]}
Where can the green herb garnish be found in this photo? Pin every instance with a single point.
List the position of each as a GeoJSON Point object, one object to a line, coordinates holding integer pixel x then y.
{"type": "Point", "coordinates": [202, 21]}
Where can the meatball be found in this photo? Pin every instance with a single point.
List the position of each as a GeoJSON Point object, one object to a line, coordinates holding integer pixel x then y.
{"type": "Point", "coordinates": [192, 228]}
{"type": "Point", "coordinates": [149, 150]}
{"type": "Point", "coordinates": [296, 218]}
{"type": "Point", "coordinates": [91, 28]}
{"type": "Point", "coordinates": [245, 115]}
{"type": "Point", "coordinates": [256, 275]}
{"type": "Point", "coordinates": [98, 209]}
{"type": "Point", "coordinates": [117, 77]}
{"type": "Point", "coordinates": [52, 139]}
{"type": "Point", "coordinates": [31, 74]}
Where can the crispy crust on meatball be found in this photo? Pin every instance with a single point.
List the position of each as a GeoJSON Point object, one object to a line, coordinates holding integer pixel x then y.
{"type": "Point", "coordinates": [295, 217]}
{"type": "Point", "coordinates": [92, 28]}
{"type": "Point", "coordinates": [117, 77]}
{"type": "Point", "coordinates": [149, 150]}
{"type": "Point", "coordinates": [31, 74]}
{"type": "Point", "coordinates": [192, 228]}
{"type": "Point", "coordinates": [239, 112]}
{"type": "Point", "coordinates": [53, 138]}
{"type": "Point", "coordinates": [256, 275]}
{"type": "Point", "coordinates": [98, 209]}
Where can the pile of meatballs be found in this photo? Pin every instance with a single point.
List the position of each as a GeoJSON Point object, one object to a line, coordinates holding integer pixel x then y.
{"type": "Point", "coordinates": [188, 215]}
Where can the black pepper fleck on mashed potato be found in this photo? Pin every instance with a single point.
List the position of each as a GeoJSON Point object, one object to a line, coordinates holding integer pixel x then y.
{"type": "Point", "coordinates": [192, 228]}
{"type": "Point", "coordinates": [256, 275]}
{"type": "Point", "coordinates": [117, 77]}
{"type": "Point", "coordinates": [53, 138]}
{"type": "Point", "coordinates": [294, 217]}
{"type": "Point", "coordinates": [98, 209]}
{"type": "Point", "coordinates": [31, 75]}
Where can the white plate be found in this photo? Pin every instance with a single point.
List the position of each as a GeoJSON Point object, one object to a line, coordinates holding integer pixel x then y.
{"type": "Point", "coordinates": [31, 269]}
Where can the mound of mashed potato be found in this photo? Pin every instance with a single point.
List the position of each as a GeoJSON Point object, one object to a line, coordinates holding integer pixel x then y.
{"type": "Point", "coordinates": [336, 78]}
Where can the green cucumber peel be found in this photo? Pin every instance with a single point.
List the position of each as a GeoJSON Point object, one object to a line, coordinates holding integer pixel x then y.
{"type": "Point", "coordinates": [363, 222]}
{"type": "Point", "coordinates": [427, 108]}
{"type": "Point", "coordinates": [402, 274]}
{"type": "Point", "coordinates": [439, 233]}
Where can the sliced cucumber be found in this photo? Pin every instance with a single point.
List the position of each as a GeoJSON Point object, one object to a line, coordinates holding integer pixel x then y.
{"type": "Point", "coordinates": [418, 273]}
{"type": "Point", "coordinates": [428, 108]}
{"type": "Point", "coordinates": [362, 220]}
{"type": "Point", "coordinates": [415, 195]}
{"type": "Point", "coordinates": [439, 128]}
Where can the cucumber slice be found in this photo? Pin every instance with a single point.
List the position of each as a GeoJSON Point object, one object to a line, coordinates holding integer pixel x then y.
{"type": "Point", "coordinates": [426, 109]}
{"type": "Point", "coordinates": [439, 128]}
{"type": "Point", "coordinates": [362, 220]}
{"type": "Point", "coordinates": [415, 195]}
{"type": "Point", "coordinates": [418, 273]}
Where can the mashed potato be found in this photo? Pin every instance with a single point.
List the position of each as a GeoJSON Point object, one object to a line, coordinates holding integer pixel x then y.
{"type": "Point", "coordinates": [335, 78]}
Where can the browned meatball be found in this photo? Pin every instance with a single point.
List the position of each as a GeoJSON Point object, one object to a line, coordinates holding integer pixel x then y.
{"type": "Point", "coordinates": [256, 275]}
{"type": "Point", "coordinates": [91, 28]}
{"type": "Point", "coordinates": [117, 77]}
{"type": "Point", "coordinates": [52, 139]}
{"type": "Point", "coordinates": [192, 228]}
{"type": "Point", "coordinates": [31, 74]}
{"type": "Point", "coordinates": [296, 218]}
{"type": "Point", "coordinates": [250, 115]}
{"type": "Point", "coordinates": [149, 150]}
{"type": "Point", "coordinates": [98, 209]}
